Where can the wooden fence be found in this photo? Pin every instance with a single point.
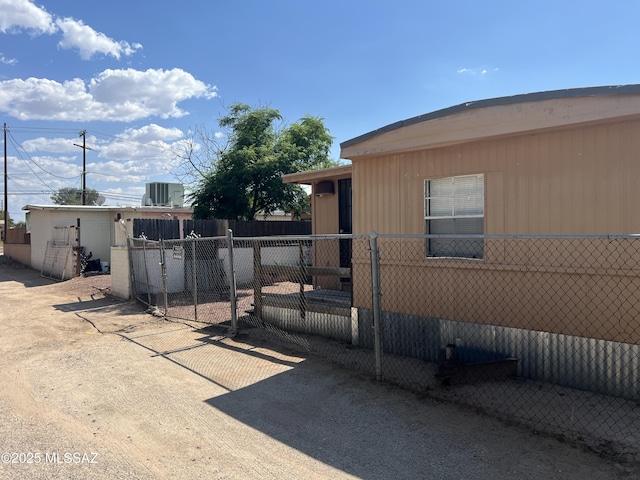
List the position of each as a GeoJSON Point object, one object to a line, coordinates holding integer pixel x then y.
{"type": "Point", "coordinates": [18, 235]}
{"type": "Point", "coordinates": [246, 228]}
{"type": "Point", "coordinates": [156, 229]}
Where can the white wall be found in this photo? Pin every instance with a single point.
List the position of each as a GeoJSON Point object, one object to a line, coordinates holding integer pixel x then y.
{"type": "Point", "coordinates": [243, 260]}
{"type": "Point", "coordinates": [96, 232]}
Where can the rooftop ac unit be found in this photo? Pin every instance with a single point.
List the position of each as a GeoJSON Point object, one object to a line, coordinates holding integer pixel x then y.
{"type": "Point", "coordinates": [164, 194]}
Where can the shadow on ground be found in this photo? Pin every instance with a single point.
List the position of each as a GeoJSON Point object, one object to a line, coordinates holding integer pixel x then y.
{"type": "Point", "coordinates": [16, 272]}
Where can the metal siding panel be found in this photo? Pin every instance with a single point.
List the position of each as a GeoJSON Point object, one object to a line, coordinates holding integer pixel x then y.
{"type": "Point", "coordinates": [600, 366]}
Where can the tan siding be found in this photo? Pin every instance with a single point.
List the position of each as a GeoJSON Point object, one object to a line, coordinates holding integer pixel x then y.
{"type": "Point", "coordinates": [494, 203]}
{"type": "Point", "coordinates": [575, 181]}
{"type": "Point", "coordinates": [325, 214]}
{"type": "Point", "coordinates": [325, 221]}
{"type": "Point", "coordinates": [324, 210]}
{"type": "Point", "coordinates": [632, 181]}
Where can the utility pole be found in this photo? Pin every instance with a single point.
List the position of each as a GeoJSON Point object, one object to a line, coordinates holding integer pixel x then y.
{"type": "Point", "coordinates": [83, 134]}
{"type": "Point", "coordinates": [5, 203]}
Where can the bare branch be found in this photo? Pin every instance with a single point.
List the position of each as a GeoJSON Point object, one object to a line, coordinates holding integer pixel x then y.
{"type": "Point", "coordinates": [197, 155]}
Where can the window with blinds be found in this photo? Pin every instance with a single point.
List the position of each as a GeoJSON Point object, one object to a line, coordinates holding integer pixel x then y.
{"type": "Point", "coordinates": [454, 206]}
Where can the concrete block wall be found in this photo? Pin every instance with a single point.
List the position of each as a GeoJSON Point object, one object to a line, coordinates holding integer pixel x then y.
{"type": "Point", "coordinates": [120, 280]}
{"type": "Point", "coordinates": [19, 252]}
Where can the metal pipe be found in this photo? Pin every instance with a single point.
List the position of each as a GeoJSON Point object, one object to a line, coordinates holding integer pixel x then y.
{"type": "Point", "coordinates": [194, 268]}
{"type": "Point", "coordinates": [377, 314]}
{"type": "Point", "coordinates": [146, 271]}
{"type": "Point", "coordinates": [232, 284]}
{"type": "Point", "coordinates": [163, 266]}
{"type": "Point", "coordinates": [303, 277]}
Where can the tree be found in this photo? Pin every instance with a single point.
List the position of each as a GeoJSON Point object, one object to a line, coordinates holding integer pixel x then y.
{"type": "Point", "coordinates": [73, 196]}
{"type": "Point", "coordinates": [196, 154]}
{"type": "Point", "coordinates": [10, 222]}
{"type": "Point", "coordinates": [246, 177]}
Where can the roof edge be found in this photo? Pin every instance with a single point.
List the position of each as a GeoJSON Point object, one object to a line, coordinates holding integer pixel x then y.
{"type": "Point", "coordinates": [308, 176]}
{"type": "Point", "coordinates": [105, 208]}
{"type": "Point", "coordinates": [499, 101]}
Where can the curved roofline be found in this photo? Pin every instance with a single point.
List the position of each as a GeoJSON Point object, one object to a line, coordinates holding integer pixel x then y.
{"type": "Point", "coordinates": [493, 102]}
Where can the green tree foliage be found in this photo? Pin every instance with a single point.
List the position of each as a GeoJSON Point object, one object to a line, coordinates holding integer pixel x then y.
{"type": "Point", "coordinates": [10, 222]}
{"type": "Point", "coordinates": [73, 196]}
{"type": "Point", "coordinates": [246, 178]}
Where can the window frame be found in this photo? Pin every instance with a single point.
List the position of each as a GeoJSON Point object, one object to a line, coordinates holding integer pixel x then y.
{"type": "Point", "coordinates": [475, 209]}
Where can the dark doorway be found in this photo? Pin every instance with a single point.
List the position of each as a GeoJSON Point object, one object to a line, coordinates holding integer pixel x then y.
{"type": "Point", "coordinates": [345, 219]}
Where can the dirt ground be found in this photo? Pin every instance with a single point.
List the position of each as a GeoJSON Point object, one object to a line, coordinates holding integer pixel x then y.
{"type": "Point", "coordinates": [95, 388]}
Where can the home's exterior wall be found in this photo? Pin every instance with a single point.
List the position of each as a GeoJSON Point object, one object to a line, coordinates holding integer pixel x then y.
{"type": "Point", "coordinates": [573, 181]}
{"type": "Point", "coordinates": [324, 210]}
{"type": "Point", "coordinates": [325, 220]}
{"type": "Point", "coordinates": [96, 231]}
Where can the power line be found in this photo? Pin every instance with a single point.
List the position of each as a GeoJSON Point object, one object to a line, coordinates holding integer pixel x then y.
{"type": "Point", "coordinates": [25, 162]}
{"type": "Point", "coordinates": [20, 187]}
{"type": "Point", "coordinates": [50, 129]}
{"type": "Point", "coordinates": [15, 143]}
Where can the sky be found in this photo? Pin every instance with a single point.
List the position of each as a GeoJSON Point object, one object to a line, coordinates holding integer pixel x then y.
{"type": "Point", "coordinates": [139, 76]}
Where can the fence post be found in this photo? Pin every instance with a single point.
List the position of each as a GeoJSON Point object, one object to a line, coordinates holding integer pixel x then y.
{"type": "Point", "coordinates": [232, 284]}
{"type": "Point", "coordinates": [375, 291]}
{"type": "Point", "coordinates": [132, 271]}
{"type": "Point", "coordinates": [303, 279]}
{"type": "Point", "coordinates": [163, 266]}
{"type": "Point", "coordinates": [257, 280]}
{"type": "Point", "coordinates": [194, 268]}
{"type": "Point", "coordinates": [146, 271]}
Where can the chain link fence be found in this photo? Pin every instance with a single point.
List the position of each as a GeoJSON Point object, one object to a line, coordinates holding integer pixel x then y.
{"type": "Point", "coordinates": [540, 330]}
{"type": "Point", "coordinates": [190, 279]}
{"type": "Point", "coordinates": [302, 293]}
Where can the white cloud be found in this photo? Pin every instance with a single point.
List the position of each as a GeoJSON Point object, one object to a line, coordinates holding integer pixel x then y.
{"type": "Point", "coordinates": [150, 133]}
{"type": "Point", "coordinates": [117, 166]}
{"type": "Point", "coordinates": [7, 61]}
{"type": "Point", "coordinates": [476, 71]}
{"type": "Point", "coordinates": [122, 173]}
{"type": "Point", "coordinates": [50, 145]}
{"type": "Point", "coordinates": [114, 95]}
{"type": "Point", "coordinates": [144, 148]}
{"type": "Point", "coordinates": [17, 16]}
{"type": "Point", "coordinates": [77, 35]}
{"type": "Point", "coordinates": [23, 15]}
{"type": "Point", "coordinates": [130, 157]}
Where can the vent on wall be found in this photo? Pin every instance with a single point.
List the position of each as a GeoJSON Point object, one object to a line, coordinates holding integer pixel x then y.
{"type": "Point", "coordinates": [324, 188]}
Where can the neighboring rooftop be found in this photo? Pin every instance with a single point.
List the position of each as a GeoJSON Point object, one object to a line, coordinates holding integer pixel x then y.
{"type": "Point", "coordinates": [107, 208]}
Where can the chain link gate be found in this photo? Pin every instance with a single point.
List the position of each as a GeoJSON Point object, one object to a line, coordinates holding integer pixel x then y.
{"type": "Point", "coordinates": [190, 279]}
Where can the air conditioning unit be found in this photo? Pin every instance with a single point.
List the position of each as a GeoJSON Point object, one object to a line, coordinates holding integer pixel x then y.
{"type": "Point", "coordinates": [160, 194]}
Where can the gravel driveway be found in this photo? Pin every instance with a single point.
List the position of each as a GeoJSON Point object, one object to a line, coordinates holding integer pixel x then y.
{"type": "Point", "coordinates": [96, 388]}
